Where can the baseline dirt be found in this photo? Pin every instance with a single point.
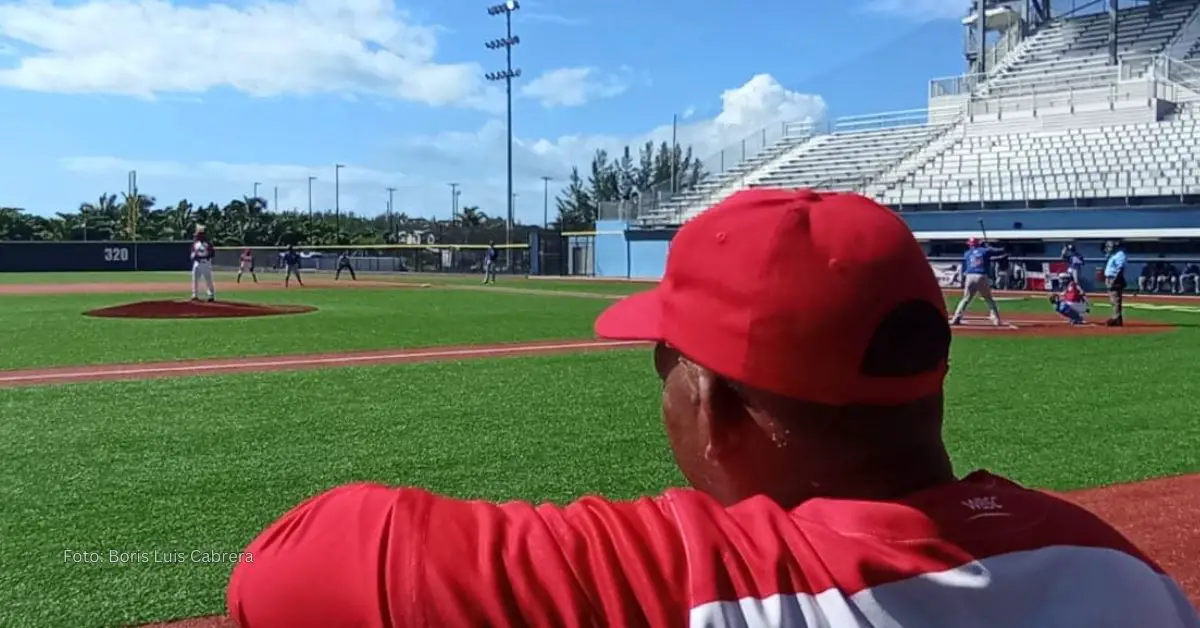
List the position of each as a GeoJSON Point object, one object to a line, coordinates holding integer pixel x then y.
{"type": "Point", "coordinates": [182, 287]}
{"type": "Point", "coordinates": [188, 368]}
{"type": "Point", "coordinates": [1033, 325]}
{"type": "Point", "coordinates": [196, 309]}
{"type": "Point", "coordinates": [1161, 516]}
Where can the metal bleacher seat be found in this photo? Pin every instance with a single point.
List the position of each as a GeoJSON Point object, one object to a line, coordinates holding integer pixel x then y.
{"type": "Point", "coordinates": [847, 160]}
{"type": "Point", "coordinates": [1157, 159]}
{"type": "Point", "coordinates": [1073, 53]}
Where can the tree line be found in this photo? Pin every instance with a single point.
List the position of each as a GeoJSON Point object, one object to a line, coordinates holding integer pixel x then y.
{"type": "Point", "coordinates": [247, 221]}
{"type": "Point", "coordinates": [611, 180]}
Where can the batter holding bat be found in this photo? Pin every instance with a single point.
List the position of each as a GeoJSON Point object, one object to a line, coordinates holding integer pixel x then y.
{"type": "Point", "coordinates": [202, 254]}
{"type": "Point", "coordinates": [977, 262]}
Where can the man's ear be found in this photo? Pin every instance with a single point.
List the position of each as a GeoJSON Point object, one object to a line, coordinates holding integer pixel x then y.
{"type": "Point", "coordinates": [721, 415]}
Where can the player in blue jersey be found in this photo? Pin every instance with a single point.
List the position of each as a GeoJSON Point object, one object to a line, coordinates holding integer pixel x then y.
{"type": "Point", "coordinates": [489, 263]}
{"type": "Point", "coordinates": [977, 263]}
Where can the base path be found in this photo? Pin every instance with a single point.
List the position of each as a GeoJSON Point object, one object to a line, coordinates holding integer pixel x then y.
{"type": "Point", "coordinates": [1025, 324]}
{"type": "Point", "coordinates": [183, 368]}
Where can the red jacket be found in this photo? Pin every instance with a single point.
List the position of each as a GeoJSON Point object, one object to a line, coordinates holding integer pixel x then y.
{"type": "Point", "coordinates": [982, 551]}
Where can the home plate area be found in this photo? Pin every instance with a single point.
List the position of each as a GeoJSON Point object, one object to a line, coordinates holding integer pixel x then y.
{"type": "Point", "coordinates": [1043, 325]}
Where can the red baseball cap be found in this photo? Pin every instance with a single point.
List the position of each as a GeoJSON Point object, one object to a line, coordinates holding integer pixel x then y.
{"type": "Point", "coordinates": [784, 290]}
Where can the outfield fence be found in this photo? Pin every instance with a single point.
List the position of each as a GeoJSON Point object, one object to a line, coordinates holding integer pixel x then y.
{"type": "Point", "coordinates": [391, 258]}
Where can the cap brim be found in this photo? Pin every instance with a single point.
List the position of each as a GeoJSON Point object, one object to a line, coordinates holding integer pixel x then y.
{"type": "Point", "coordinates": [636, 317]}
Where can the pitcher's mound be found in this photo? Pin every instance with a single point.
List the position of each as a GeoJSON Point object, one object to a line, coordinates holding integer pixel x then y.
{"type": "Point", "coordinates": [197, 309]}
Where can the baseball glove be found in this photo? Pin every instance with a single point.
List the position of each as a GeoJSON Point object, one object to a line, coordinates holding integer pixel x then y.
{"type": "Point", "coordinates": [1054, 299]}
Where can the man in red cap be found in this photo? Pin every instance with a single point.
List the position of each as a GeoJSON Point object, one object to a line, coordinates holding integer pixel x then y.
{"type": "Point", "coordinates": [802, 397]}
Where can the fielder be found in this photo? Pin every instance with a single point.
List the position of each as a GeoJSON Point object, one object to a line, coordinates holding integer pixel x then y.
{"type": "Point", "coordinates": [246, 265]}
{"type": "Point", "coordinates": [291, 262]}
{"type": "Point", "coordinates": [489, 263]}
{"type": "Point", "coordinates": [202, 254]}
{"type": "Point", "coordinates": [1071, 303]}
{"type": "Point", "coordinates": [977, 261]}
{"type": "Point", "coordinates": [343, 263]}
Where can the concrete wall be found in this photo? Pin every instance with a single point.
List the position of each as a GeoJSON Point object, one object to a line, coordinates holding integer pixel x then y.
{"type": "Point", "coordinates": [642, 254]}
{"type": "Point", "coordinates": [1115, 218]}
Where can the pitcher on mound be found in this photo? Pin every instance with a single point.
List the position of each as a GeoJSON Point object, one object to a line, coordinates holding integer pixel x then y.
{"type": "Point", "coordinates": [202, 254]}
{"type": "Point", "coordinates": [977, 261]}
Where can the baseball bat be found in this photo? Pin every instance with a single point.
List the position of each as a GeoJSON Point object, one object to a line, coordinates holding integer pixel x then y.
{"type": "Point", "coordinates": [983, 229]}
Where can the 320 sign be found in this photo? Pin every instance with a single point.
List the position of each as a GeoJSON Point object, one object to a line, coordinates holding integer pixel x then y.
{"type": "Point", "coordinates": [116, 254]}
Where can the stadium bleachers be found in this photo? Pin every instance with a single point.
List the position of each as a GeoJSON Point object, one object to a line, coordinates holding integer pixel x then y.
{"type": "Point", "coordinates": [1053, 121]}
{"type": "Point", "coordinates": [1144, 160]}
{"type": "Point", "coordinates": [1073, 53]}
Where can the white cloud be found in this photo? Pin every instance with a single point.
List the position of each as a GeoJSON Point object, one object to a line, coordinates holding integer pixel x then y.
{"type": "Point", "coordinates": [574, 87]}
{"type": "Point", "coordinates": [476, 159]}
{"type": "Point", "coordinates": [922, 10]}
{"type": "Point", "coordinates": [147, 47]}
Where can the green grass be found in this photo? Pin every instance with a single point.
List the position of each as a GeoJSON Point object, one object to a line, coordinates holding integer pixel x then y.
{"type": "Point", "coordinates": [96, 277]}
{"type": "Point", "coordinates": [205, 463]}
{"type": "Point", "coordinates": [50, 330]}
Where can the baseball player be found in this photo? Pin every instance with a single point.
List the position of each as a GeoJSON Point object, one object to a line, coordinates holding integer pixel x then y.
{"type": "Point", "coordinates": [291, 262]}
{"type": "Point", "coordinates": [202, 254]}
{"type": "Point", "coordinates": [1072, 302]}
{"type": "Point", "coordinates": [1074, 260]}
{"type": "Point", "coordinates": [246, 264]}
{"type": "Point", "coordinates": [489, 263]}
{"type": "Point", "coordinates": [343, 263]}
{"type": "Point", "coordinates": [1114, 279]}
{"type": "Point", "coordinates": [977, 261]}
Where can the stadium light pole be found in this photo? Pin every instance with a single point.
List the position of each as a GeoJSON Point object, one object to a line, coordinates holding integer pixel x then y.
{"type": "Point", "coordinates": [545, 202]}
{"type": "Point", "coordinates": [310, 180]}
{"type": "Point", "coordinates": [453, 202]}
{"type": "Point", "coordinates": [507, 75]}
{"type": "Point", "coordinates": [256, 185]}
{"type": "Point", "coordinates": [275, 206]}
{"type": "Point", "coordinates": [391, 223]}
{"type": "Point", "coordinates": [337, 199]}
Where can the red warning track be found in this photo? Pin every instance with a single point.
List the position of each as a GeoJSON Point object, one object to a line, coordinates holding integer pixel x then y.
{"type": "Point", "coordinates": [182, 368]}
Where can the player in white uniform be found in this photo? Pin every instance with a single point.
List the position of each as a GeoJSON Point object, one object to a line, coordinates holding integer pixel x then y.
{"type": "Point", "coordinates": [202, 254]}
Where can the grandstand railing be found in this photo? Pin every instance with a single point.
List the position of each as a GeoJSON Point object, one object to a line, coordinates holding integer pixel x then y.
{"type": "Point", "coordinates": [659, 210]}
{"type": "Point", "coordinates": [734, 155]}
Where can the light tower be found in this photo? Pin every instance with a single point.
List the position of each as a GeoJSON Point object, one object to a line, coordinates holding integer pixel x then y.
{"type": "Point", "coordinates": [507, 75]}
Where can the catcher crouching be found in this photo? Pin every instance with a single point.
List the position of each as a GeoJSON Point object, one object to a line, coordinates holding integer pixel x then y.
{"type": "Point", "coordinates": [1071, 303]}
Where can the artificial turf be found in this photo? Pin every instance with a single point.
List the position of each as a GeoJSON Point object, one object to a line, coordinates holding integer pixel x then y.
{"type": "Point", "coordinates": [50, 330]}
{"type": "Point", "coordinates": [203, 463]}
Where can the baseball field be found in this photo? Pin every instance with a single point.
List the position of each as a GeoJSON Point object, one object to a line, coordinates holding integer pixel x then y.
{"type": "Point", "coordinates": [140, 455]}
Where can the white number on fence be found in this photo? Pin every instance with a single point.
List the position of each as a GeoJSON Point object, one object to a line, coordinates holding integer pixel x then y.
{"type": "Point", "coordinates": [117, 254]}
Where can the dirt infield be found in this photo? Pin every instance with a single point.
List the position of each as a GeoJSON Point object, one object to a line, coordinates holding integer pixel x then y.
{"type": "Point", "coordinates": [192, 308]}
{"type": "Point", "coordinates": [187, 368]}
{"type": "Point", "coordinates": [1032, 325]}
{"type": "Point", "coordinates": [1161, 516]}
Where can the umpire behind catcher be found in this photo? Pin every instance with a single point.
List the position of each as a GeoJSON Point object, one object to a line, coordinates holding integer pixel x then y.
{"type": "Point", "coordinates": [807, 415]}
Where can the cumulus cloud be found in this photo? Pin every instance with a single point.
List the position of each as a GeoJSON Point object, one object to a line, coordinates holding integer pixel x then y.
{"type": "Point", "coordinates": [574, 87]}
{"type": "Point", "coordinates": [922, 10]}
{"type": "Point", "coordinates": [144, 48]}
{"type": "Point", "coordinates": [476, 159]}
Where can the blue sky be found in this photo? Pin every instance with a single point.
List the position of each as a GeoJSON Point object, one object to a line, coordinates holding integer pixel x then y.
{"type": "Point", "coordinates": [204, 99]}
